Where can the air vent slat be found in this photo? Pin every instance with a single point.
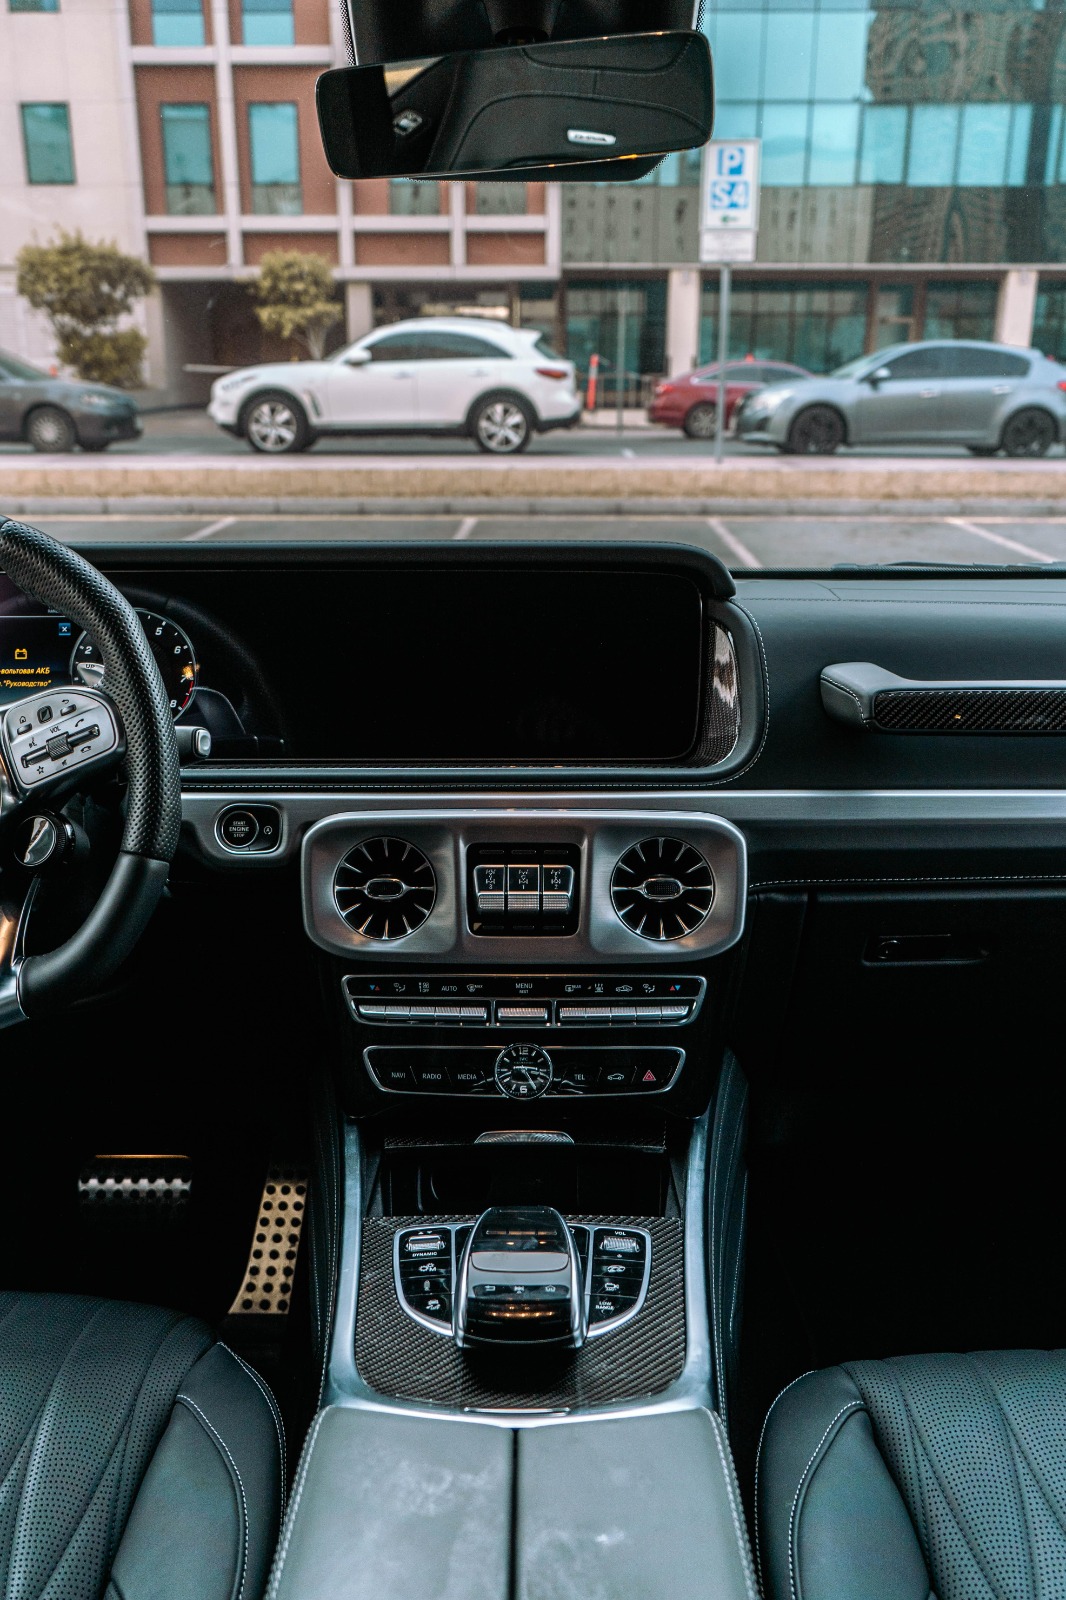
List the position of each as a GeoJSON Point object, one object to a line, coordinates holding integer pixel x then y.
{"type": "Point", "coordinates": [384, 889]}
{"type": "Point", "coordinates": [662, 889]}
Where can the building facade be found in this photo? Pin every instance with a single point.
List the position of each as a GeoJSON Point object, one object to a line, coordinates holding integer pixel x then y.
{"type": "Point", "coordinates": [914, 184]}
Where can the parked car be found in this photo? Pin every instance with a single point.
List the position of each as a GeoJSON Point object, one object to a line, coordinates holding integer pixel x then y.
{"type": "Point", "coordinates": [690, 401]}
{"type": "Point", "coordinates": [449, 375]}
{"type": "Point", "coordinates": [988, 397]}
{"type": "Point", "coordinates": [55, 414]}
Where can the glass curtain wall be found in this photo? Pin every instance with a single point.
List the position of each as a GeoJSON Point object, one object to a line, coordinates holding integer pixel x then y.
{"type": "Point", "coordinates": [598, 314]}
{"type": "Point", "coordinates": [814, 326]}
{"type": "Point", "coordinates": [857, 104]}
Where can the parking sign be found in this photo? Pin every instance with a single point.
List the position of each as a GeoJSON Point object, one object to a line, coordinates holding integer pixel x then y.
{"type": "Point", "coordinates": [729, 208]}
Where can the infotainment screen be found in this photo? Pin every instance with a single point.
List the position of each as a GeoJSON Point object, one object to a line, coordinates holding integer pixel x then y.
{"type": "Point", "coordinates": [35, 645]}
{"type": "Point", "coordinates": [406, 664]}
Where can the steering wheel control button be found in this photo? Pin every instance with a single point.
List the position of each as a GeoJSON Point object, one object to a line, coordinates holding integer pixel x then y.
{"type": "Point", "coordinates": [42, 743]}
{"type": "Point", "coordinates": [249, 830]}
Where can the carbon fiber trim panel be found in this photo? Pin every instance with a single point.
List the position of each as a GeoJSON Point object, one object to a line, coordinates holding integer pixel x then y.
{"type": "Point", "coordinates": [970, 711]}
{"type": "Point", "coordinates": [399, 1359]}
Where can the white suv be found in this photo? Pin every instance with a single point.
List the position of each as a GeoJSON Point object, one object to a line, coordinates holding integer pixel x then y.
{"type": "Point", "coordinates": [453, 375]}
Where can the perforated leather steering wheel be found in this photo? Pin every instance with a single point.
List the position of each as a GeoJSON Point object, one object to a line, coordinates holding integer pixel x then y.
{"type": "Point", "coordinates": [43, 757]}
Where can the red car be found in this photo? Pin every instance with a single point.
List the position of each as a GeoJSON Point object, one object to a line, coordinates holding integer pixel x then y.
{"type": "Point", "coordinates": [690, 400]}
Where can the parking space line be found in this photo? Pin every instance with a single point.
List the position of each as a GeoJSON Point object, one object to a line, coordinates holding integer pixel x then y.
{"type": "Point", "coordinates": [465, 528]}
{"type": "Point", "coordinates": [210, 531]}
{"type": "Point", "coordinates": [735, 546]}
{"type": "Point", "coordinates": [1000, 539]}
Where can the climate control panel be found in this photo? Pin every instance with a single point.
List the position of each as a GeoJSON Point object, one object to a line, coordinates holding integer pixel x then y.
{"type": "Point", "coordinates": [526, 1000]}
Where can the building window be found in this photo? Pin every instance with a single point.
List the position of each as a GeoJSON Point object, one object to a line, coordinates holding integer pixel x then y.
{"type": "Point", "coordinates": [410, 198]}
{"type": "Point", "coordinates": [188, 167]}
{"type": "Point", "coordinates": [500, 200]}
{"type": "Point", "coordinates": [601, 317]}
{"type": "Point", "coordinates": [275, 145]}
{"type": "Point", "coordinates": [178, 22]}
{"type": "Point", "coordinates": [1049, 324]}
{"type": "Point", "coordinates": [33, 5]}
{"type": "Point", "coordinates": [960, 310]}
{"type": "Point", "coordinates": [816, 327]}
{"type": "Point", "coordinates": [46, 136]}
{"type": "Point", "coordinates": [268, 22]}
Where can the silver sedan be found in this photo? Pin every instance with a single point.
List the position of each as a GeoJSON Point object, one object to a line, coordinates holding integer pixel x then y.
{"type": "Point", "coordinates": [987, 397]}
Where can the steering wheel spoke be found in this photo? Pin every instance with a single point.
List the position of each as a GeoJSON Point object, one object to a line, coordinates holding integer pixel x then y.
{"type": "Point", "coordinates": [54, 740]}
{"type": "Point", "coordinates": [14, 920]}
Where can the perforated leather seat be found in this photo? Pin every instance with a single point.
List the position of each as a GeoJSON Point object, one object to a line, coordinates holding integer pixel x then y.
{"type": "Point", "coordinates": [924, 1478]}
{"type": "Point", "coordinates": [139, 1459]}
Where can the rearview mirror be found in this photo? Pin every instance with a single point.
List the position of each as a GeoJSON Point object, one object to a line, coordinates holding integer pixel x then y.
{"type": "Point", "coordinates": [356, 358]}
{"type": "Point", "coordinates": [879, 375]}
{"type": "Point", "coordinates": [513, 111]}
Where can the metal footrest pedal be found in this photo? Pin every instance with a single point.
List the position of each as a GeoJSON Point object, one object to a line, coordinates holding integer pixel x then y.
{"type": "Point", "coordinates": [134, 1182]}
{"type": "Point", "coordinates": [266, 1288]}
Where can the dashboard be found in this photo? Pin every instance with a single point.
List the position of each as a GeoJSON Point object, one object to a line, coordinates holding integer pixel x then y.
{"type": "Point", "coordinates": [524, 801]}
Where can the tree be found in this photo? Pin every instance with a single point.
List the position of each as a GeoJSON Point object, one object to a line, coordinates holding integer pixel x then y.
{"type": "Point", "coordinates": [84, 290]}
{"type": "Point", "coordinates": [296, 298]}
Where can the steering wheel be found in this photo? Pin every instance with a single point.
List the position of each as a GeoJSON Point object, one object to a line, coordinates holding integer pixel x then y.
{"type": "Point", "coordinates": [51, 743]}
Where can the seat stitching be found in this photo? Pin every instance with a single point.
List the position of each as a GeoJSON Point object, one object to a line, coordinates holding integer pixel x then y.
{"type": "Point", "coordinates": [738, 1526]}
{"type": "Point", "coordinates": [221, 1444]}
{"type": "Point", "coordinates": [1022, 1447]}
{"type": "Point", "coordinates": [719, 1283]}
{"type": "Point", "coordinates": [948, 1498]}
{"type": "Point", "coordinates": [758, 1462]}
{"type": "Point", "coordinates": [984, 1378]}
{"type": "Point", "coordinates": [734, 1303]}
{"type": "Point", "coordinates": [273, 1408]}
{"type": "Point", "coordinates": [924, 1523]}
{"type": "Point", "coordinates": [852, 1405]}
{"type": "Point", "coordinates": [723, 1107]}
{"type": "Point", "coordinates": [38, 1421]}
{"type": "Point", "coordinates": [294, 1507]}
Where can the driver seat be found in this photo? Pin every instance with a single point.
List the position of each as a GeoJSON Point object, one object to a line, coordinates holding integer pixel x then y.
{"type": "Point", "coordinates": [140, 1459]}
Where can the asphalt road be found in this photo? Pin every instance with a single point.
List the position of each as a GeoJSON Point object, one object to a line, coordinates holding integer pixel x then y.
{"type": "Point", "coordinates": [176, 433]}
{"type": "Point", "coordinates": [742, 541]}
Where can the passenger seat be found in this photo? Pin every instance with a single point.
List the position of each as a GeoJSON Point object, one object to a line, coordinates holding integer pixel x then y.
{"type": "Point", "coordinates": [923, 1478]}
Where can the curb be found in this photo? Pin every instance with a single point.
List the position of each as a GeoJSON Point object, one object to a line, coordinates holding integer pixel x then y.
{"type": "Point", "coordinates": [170, 507]}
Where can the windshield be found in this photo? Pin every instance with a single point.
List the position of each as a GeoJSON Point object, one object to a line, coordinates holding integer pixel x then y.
{"type": "Point", "coordinates": [904, 171]}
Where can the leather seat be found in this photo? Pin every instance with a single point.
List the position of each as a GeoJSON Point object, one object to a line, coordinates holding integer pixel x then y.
{"type": "Point", "coordinates": [924, 1478]}
{"type": "Point", "coordinates": [139, 1459]}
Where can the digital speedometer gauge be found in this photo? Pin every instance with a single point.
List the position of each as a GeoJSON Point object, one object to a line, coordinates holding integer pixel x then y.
{"type": "Point", "coordinates": [173, 652]}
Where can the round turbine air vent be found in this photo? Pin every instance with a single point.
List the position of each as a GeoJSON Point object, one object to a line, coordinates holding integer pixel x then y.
{"type": "Point", "coordinates": [384, 888]}
{"type": "Point", "coordinates": [662, 889]}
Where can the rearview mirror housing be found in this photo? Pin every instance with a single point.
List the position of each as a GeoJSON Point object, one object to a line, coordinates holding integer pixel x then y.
{"type": "Point", "coordinates": [878, 375]}
{"type": "Point", "coordinates": [357, 358]}
{"type": "Point", "coordinates": [589, 108]}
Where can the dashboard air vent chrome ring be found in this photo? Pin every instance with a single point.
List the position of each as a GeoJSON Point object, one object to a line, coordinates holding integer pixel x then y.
{"type": "Point", "coordinates": [662, 889]}
{"type": "Point", "coordinates": [384, 888]}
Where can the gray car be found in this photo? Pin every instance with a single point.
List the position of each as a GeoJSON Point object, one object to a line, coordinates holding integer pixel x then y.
{"type": "Point", "coordinates": [987, 397]}
{"type": "Point", "coordinates": [58, 413]}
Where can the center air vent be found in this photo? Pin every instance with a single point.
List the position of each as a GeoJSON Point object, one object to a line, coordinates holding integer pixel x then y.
{"type": "Point", "coordinates": [384, 888]}
{"type": "Point", "coordinates": [662, 889]}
